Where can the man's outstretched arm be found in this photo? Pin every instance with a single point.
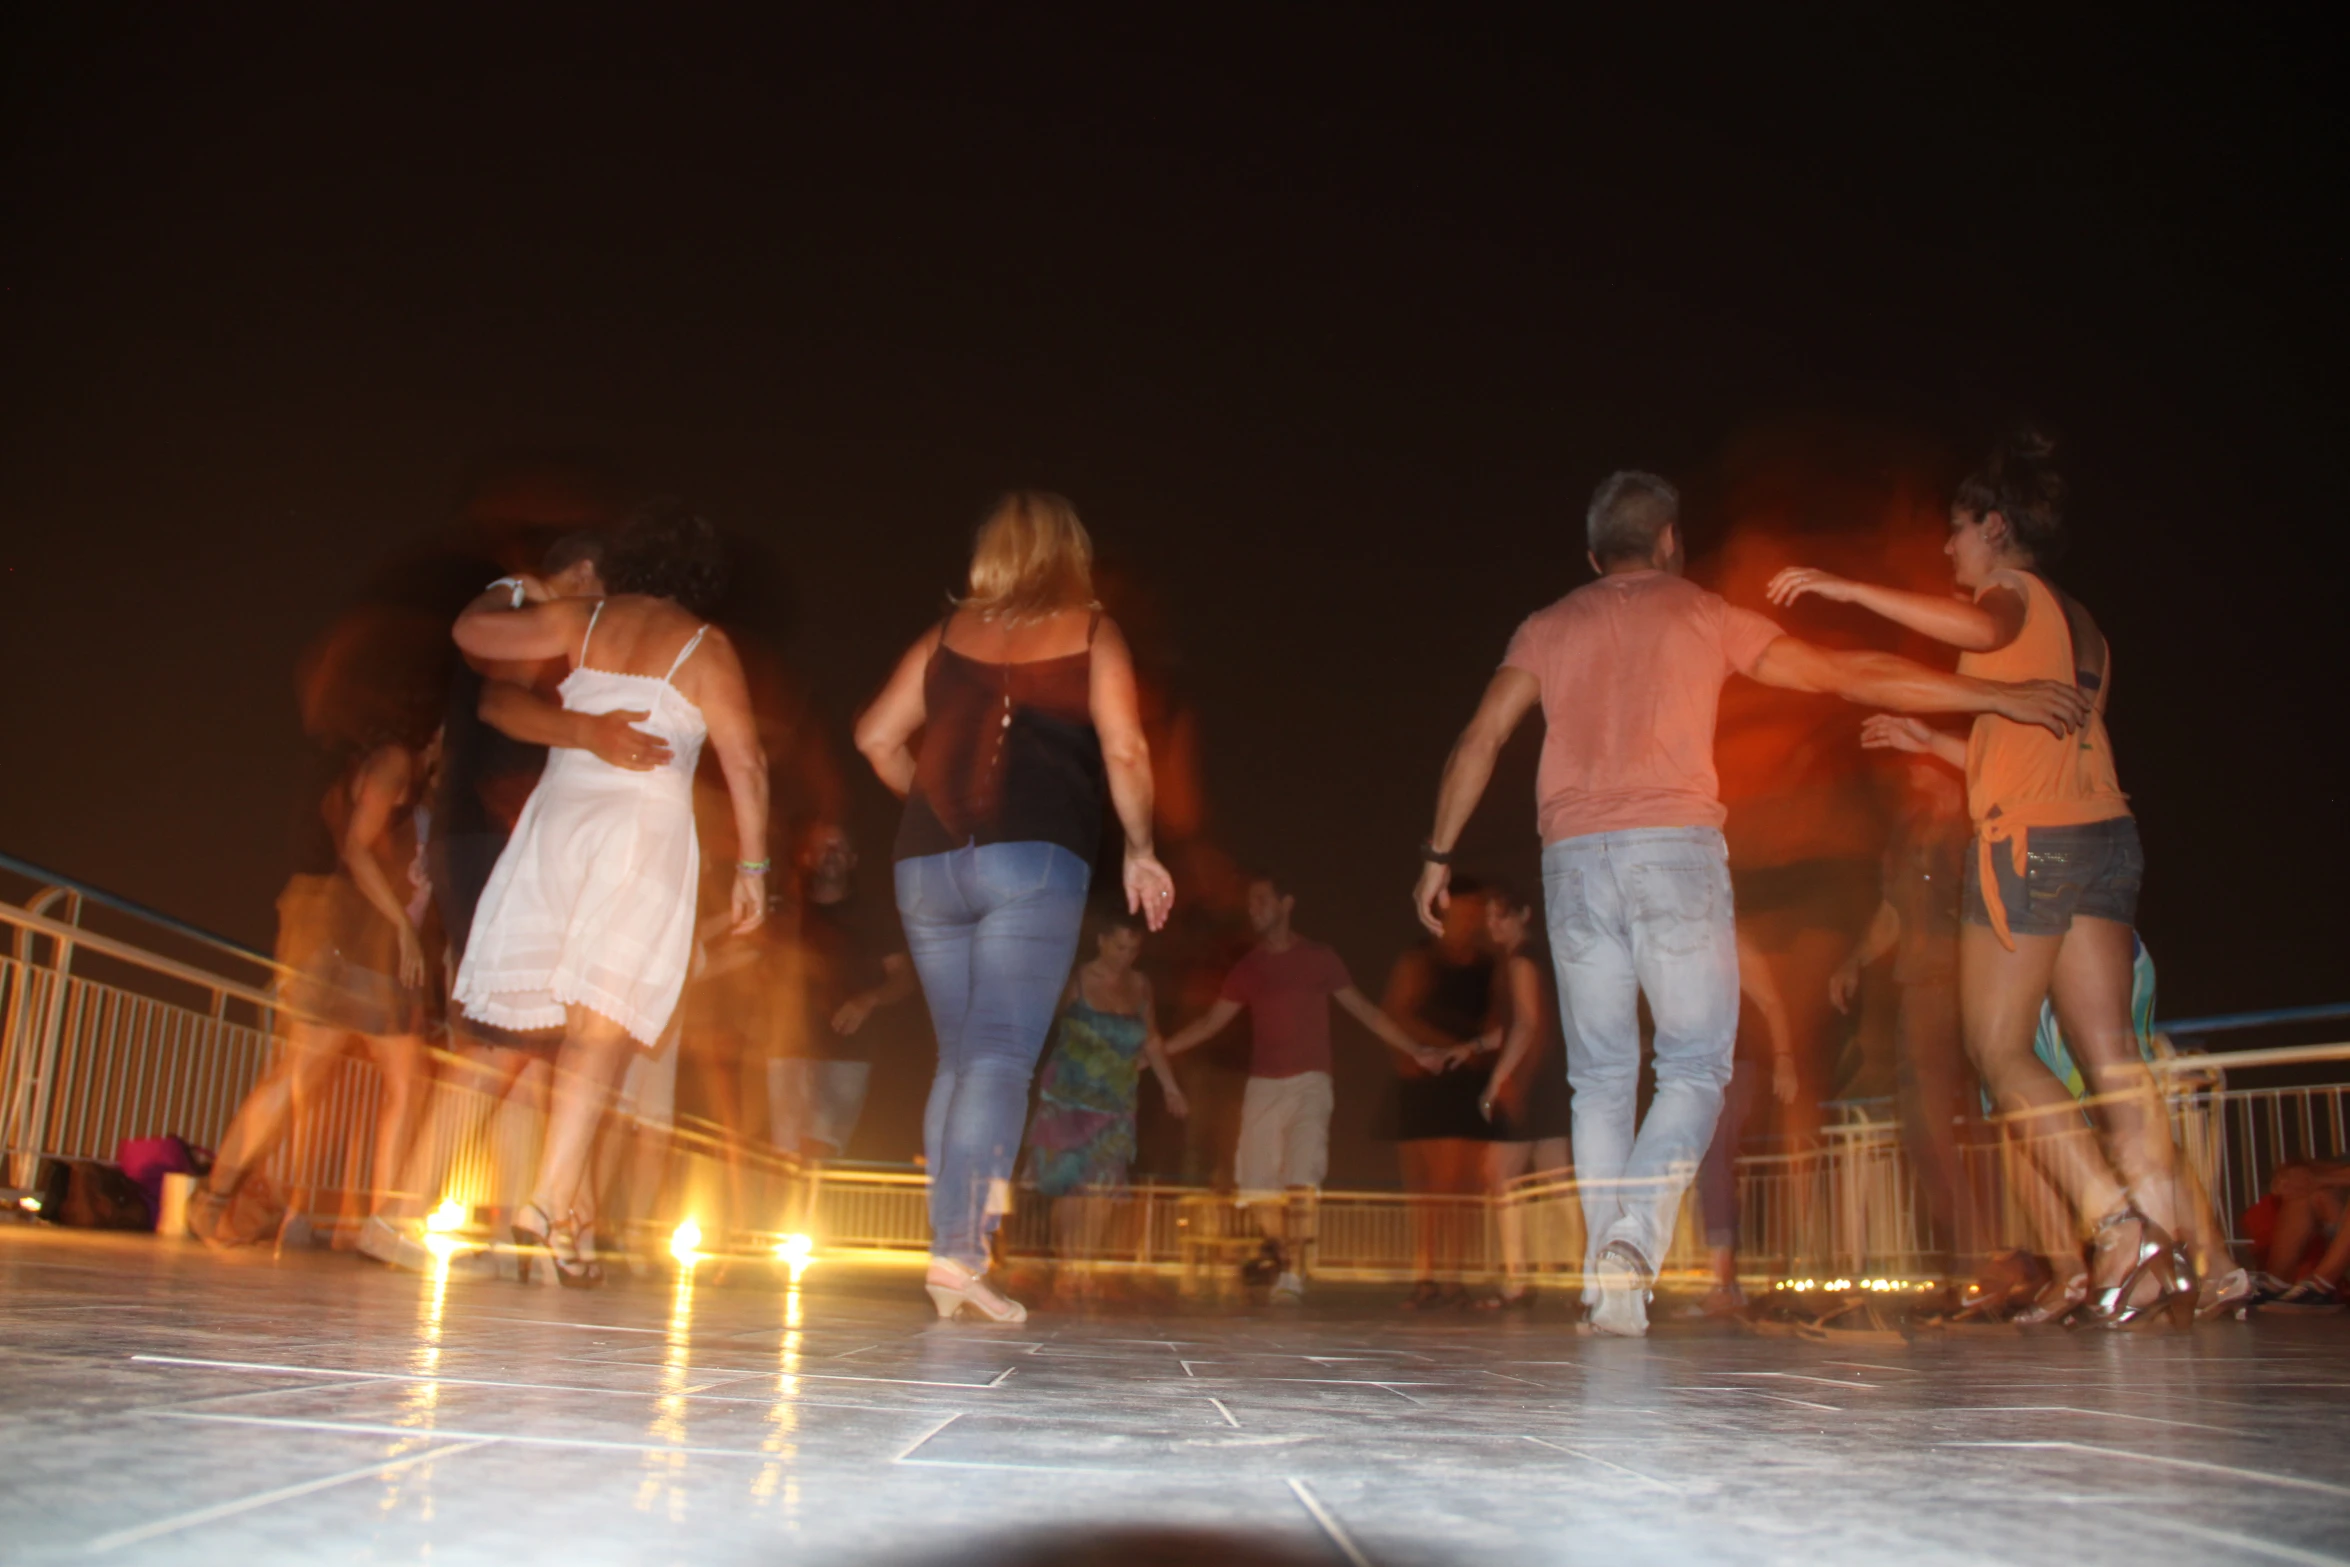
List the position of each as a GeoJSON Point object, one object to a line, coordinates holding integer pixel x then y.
{"type": "Point", "coordinates": [1890, 681]}
{"type": "Point", "coordinates": [1466, 773]}
{"type": "Point", "coordinates": [1205, 1027]}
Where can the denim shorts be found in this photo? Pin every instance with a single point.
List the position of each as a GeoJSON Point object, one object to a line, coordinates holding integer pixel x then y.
{"type": "Point", "coordinates": [2091, 871]}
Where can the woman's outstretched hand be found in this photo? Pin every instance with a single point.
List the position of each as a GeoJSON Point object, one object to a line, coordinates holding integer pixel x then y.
{"type": "Point", "coordinates": [1794, 582]}
{"type": "Point", "coordinates": [1150, 891]}
{"type": "Point", "coordinates": [750, 901]}
{"type": "Point", "coordinates": [1895, 732]}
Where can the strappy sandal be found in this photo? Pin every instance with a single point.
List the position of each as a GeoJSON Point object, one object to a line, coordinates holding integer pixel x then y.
{"type": "Point", "coordinates": [2154, 1257]}
{"type": "Point", "coordinates": [2055, 1306]}
{"type": "Point", "coordinates": [531, 1244]}
{"type": "Point", "coordinates": [2229, 1295]}
{"type": "Point", "coordinates": [1426, 1295]}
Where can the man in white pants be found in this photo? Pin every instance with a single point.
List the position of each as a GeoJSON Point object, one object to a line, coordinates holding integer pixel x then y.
{"type": "Point", "coordinates": [1287, 982]}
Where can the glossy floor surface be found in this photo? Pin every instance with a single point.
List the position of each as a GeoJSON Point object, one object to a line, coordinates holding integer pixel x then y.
{"type": "Point", "coordinates": [161, 1404]}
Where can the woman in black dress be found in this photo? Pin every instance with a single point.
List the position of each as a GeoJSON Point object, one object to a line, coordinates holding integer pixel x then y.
{"type": "Point", "coordinates": [1442, 994]}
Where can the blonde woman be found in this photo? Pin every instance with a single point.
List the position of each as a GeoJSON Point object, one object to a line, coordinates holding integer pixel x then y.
{"type": "Point", "coordinates": [1023, 702]}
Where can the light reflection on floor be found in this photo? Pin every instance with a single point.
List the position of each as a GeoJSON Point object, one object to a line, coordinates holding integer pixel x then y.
{"type": "Point", "coordinates": [158, 1403]}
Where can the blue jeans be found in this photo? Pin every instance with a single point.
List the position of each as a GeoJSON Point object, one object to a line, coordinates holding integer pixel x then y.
{"type": "Point", "coordinates": [992, 930]}
{"type": "Point", "coordinates": [1645, 911]}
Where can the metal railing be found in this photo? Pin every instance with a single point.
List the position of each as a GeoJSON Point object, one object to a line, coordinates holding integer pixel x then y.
{"type": "Point", "coordinates": [105, 1036]}
{"type": "Point", "coordinates": [149, 1044]}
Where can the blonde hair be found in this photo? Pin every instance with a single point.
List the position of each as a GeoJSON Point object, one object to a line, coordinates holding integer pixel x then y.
{"type": "Point", "coordinates": [1032, 558]}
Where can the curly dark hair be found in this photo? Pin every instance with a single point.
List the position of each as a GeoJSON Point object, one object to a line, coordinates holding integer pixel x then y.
{"type": "Point", "coordinates": [2020, 482]}
{"type": "Point", "coordinates": [668, 550]}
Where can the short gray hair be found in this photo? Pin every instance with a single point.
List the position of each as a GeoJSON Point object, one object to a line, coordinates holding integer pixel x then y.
{"type": "Point", "coordinates": [1629, 510]}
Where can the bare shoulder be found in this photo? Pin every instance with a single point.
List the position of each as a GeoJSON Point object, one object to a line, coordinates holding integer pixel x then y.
{"type": "Point", "coordinates": [2006, 580]}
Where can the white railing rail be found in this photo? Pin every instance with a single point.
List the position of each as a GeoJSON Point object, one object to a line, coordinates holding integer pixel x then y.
{"type": "Point", "coordinates": [103, 1038]}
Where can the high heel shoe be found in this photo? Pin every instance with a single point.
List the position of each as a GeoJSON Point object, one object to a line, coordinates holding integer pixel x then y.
{"type": "Point", "coordinates": [2157, 1258]}
{"type": "Point", "coordinates": [2229, 1295]}
{"type": "Point", "coordinates": [532, 1244]}
{"type": "Point", "coordinates": [529, 1244]}
{"type": "Point", "coordinates": [582, 1269]}
{"type": "Point", "coordinates": [953, 1287]}
{"type": "Point", "coordinates": [2054, 1306]}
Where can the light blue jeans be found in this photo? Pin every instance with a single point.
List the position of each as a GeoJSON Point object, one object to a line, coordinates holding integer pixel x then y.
{"type": "Point", "coordinates": [1645, 911]}
{"type": "Point", "coordinates": [992, 930]}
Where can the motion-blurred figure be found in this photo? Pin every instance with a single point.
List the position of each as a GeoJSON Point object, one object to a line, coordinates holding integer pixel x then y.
{"type": "Point", "coordinates": [1287, 982]}
{"type": "Point", "coordinates": [588, 921]}
{"type": "Point", "coordinates": [353, 960]}
{"type": "Point", "coordinates": [1442, 993]}
{"type": "Point", "coordinates": [1525, 1097]}
{"type": "Point", "coordinates": [1081, 1141]}
{"type": "Point", "coordinates": [497, 728]}
{"type": "Point", "coordinates": [1023, 702]}
{"type": "Point", "coordinates": [849, 968]}
{"type": "Point", "coordinates": [1917, 921]}
{"type": "Point", "coordinates": [2053, 922]}
{"type": "Point", "coordinates": [1629, 670]}
{"type": "Point", "coordinates": [1717, 1173]}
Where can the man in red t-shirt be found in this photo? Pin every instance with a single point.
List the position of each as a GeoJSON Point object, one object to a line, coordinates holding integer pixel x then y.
{"type": "Point", "coordinates": [1635, 875]}
{"type": "Point", "coordinates": [1287, 982]}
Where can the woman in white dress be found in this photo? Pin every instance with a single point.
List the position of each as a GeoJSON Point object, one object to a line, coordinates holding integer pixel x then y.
{"type": "Point", "coordinates": [588, 921]}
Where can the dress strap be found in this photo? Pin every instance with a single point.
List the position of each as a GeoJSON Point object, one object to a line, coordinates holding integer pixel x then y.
{"type": "Point", "coordinates": [591, 631]}
{"type": "Point", "coordinates": [686, 652]}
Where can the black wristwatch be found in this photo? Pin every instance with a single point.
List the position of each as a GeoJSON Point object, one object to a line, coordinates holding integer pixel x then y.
{"type": "Point", "coordinates": [1433, 855]}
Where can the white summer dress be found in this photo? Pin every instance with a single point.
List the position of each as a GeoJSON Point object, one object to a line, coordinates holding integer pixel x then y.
{"type": "Point", "coordinates": [592, 902]}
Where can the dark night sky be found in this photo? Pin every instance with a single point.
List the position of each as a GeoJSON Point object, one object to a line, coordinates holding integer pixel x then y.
{"type": "Point", "coordinates": [1328, 321]}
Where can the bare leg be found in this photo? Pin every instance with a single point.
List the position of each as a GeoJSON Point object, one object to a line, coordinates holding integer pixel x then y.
{"type": "Point", "coordinates": [1937, 1095]}
{"type": "Point", "coordinates": [1504, 1163]}
{"type": "Point", "coordinates": [303, 1064]}
{"type": "Point", "coordinates": [2000, 993]}
{"type": "Point", "coordinates": [2336, 1260]}
{"type": "Point", "coordinates": [2048, 1217]}
{"type": "Point", "coordinates": [464, 1095]}
{"type": "Point", "coordinates": [2091, 989]}
{"type": "Point", "coordinates": [405, 1065]}
{"type": "Point", "coordinates": [593, 1050]}
{"type": "Point", "coordinates": [1459, 1172]}
{"type": "Point", "coordinates": [1418, 1180]}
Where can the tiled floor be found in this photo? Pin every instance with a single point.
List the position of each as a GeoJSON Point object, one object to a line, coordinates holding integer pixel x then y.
{"type": "Point", "coordinates": [158, 1403]}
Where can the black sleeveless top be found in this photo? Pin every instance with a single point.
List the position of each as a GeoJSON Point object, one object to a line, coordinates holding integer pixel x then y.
{"type": "Point", "coordinates": [1459, 1002]}
{"type": "Point", "coordinates": [1009, 755]}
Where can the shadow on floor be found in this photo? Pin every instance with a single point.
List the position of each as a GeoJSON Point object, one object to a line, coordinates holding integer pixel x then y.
{"type": "Point", "coordinates": [1128, 1548]}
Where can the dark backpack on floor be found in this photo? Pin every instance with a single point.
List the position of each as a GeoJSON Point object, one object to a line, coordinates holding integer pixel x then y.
{"type": "Point", "coordinates": [84, 1194]}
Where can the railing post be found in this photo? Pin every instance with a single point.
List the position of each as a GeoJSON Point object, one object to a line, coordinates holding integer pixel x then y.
{"type": "Point", "coordinates": [31, 1121]}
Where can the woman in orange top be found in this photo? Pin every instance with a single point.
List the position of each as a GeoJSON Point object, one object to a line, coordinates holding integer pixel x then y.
{"type": "Point", "coordinates": [2052, 882]}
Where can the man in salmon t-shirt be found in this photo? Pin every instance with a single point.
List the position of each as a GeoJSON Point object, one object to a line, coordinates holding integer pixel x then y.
{"type": "Point", "coordinates": [1635, 875]}
{"type": "Point", "coordinates": [1287, 982]}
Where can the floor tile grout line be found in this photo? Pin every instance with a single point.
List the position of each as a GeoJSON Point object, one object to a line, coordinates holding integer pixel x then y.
{"type": "Point", "coordinates": [1590, 1458]}
{"type": "Point", "coordinates": [926, 1436]}
{"type": "Point", "coordinates": [724, 1374]}
{"type": "Point", "coordinates": [512, 1438]}
{"type": "Point", "coordinates": [284, 1493]}
{"type": "Point", "coordinates": [2295, 1482]}
{"type": "Point", "coordinates": [2093, 1414]}
{"type": "Point", "coordinates": [2256, 1545]}
{"type": "Point", "coordinates": [1329, 1523]}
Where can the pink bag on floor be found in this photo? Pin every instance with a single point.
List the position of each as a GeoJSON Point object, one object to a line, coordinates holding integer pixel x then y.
{"type": "Point", "coordinates": [147, 1160]}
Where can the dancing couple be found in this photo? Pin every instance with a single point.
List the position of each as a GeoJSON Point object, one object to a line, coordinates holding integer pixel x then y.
{"type": "Point", "coordinates": [1628, 671]}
